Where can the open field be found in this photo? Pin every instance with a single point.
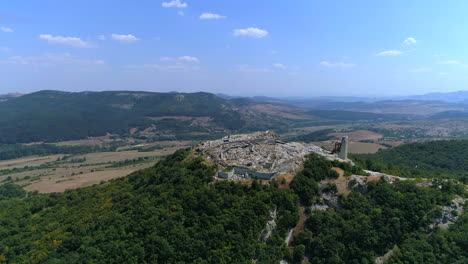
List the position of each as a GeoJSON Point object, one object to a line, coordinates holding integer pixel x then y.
{"type": "Point", "coordinates": [27, 161]}
{"type": "Point", "coordinates": [56, 173]}
{"type": "Point", "coordinates": [364, 148]}
{"type": "Point", "coordinates": [353, 147]}
{"type": "Point", "coordinates": [52, 184]}
{"type": "Point", "coordinates": [359, 135]}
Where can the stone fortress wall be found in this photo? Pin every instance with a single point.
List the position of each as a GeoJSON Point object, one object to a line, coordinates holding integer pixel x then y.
{"type": "Point", "coordinates": [260, 155]}
{"type": "Point", "coordinates": [247, 174]}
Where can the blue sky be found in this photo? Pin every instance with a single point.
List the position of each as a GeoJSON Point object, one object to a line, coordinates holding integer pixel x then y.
{"type": "Point", "coordinates": [243, 47]}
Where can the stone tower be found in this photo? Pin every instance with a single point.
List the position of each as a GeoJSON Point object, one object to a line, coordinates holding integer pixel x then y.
{"type": "Point", "coordinates": [343, 153]}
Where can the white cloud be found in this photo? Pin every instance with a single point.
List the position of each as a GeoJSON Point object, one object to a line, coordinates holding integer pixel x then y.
{"type": "Point", "coordinates": [211, 16]}
{"type": "Point", "coordinates": [181, 59]}
{"type": "Point", "coordinates": [409, 41]}
{"type": "Point", "coordinates": [251, 32]}
{"type": "Point", "coordinates": [249, 68]}
{"type": "Point", "coordinates": [174, 3]}
{"type": "Point", "coordinates": [390, 53]}
{"type": "Point", "coordinates": [167, 59]}
{"type": "Point", "coordinates": [50, 60]}
{"type": "Point", "coordinates": [337, 64]}
{"type": "Point", "coordinates": [177, 64]}
{"type": "Point", "coordinates": [279, 66]}
{"type": "Point", "coordinates": [5, 29]}
{"type": "Point", "coordinates": [188, 59]}
{"type": "Point", "coordinates": [450, 62]}
{"type": "Point", "coordinates": [453, 62]}
{"type": "Point", "coordinates": [421, 70]}
{"type": "Point", "coordinates": [70, 41]}
{"type": "Point", "coordinates": [124, 38]}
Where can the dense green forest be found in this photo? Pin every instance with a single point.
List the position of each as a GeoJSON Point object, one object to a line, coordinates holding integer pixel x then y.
{"type": "Point", "coordinates": [440, 246]}
{"type": "Point", "coordinates": [445, 158]}
{"type": "Point", "coordinates": [165, 214]}
{"type": "Point", "coordinates": [173, 212]}
{"type": "Point", "coordinates": [52, 116]}
{"type": "Point", "coordinates": [15, 151]}
{"type": "Point", "coordinates": [367, 225]}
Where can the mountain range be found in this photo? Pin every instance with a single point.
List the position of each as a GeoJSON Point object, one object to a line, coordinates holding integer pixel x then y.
{"type": "Point", "coordinates": [51, 116]}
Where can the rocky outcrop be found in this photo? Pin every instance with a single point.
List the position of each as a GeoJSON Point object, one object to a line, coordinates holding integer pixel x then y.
{"type": "Point", "coordinates": [450, 213]}
{"type": "Point", "coordinates": [331, 199]}
{"type": "Point", "coordinates": [257, 155]}
{"type": "Point", "coordinates": [382, 259]}
{"type": "Point", "coordinates": [270, 226]}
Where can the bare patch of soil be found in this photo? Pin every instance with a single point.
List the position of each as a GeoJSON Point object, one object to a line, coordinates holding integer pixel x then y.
{"type": "Point", "coordinates": [288, 178]}
{"type": "Point", "coordinates": [341, 182]}
{"type": "Point", "coordinates": [364, 148]}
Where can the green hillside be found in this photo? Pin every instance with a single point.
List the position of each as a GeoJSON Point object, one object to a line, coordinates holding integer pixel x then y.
{"type": "Point", "coordinates": [174, 213]}
{"type": "Point", "coordinates": [52, 116]}
{"type": "Point", "coordinates": [445, 158]}
{"type": "Point", "coordinates": [165, 214]}
{"type": "Point", "coordinates": [55, 116]}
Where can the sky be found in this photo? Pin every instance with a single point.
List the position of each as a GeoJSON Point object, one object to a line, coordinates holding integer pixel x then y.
{"type": "Point", "coordinates": [302, 48]}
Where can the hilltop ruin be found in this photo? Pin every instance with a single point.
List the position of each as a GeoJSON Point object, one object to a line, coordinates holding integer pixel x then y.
{"type": "Point", "coordinates": [259, 155]}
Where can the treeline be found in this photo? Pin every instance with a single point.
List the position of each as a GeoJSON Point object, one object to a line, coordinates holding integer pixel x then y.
{"type": "Point", "coordinates": [169, 213]}
{"type": "Point", "coordinates": [440, 159]}
{"type": "Point", "coordinates": [15, 151]}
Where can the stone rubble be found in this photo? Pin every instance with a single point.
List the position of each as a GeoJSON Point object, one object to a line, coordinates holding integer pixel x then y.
{"type": "Point", "coordinates": [258, 155]}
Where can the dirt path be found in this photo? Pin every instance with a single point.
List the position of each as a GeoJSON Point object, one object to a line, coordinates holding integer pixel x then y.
{"type": "Point", "coordinates": [341, 182]}
{"type": "Point", "coordinates": [300, 223]}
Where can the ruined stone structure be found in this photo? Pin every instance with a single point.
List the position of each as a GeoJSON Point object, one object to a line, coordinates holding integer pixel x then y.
{"type": "Point", "coordinates": [259, 155]}
{"type": "Point", "coordinates": [343, 153]}
{"type": "Point", "coordinates": [341, 148]}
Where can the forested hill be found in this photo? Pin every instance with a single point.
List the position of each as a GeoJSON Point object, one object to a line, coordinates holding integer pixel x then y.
{"type": "Point", "coordinates": [173, 212]}
{"type": "Point", "coordinates": [165, 214]}
{"type": "Point", "coordinates": [56, 116]}
{"type": "Point", "coordinates": [52, 116]}
{"type": "Point", "coordinates": [445, 158]}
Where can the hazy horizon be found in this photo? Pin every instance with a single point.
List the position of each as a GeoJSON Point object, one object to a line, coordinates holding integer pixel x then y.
{"type": "Point", "coordinates": [278, 49]}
